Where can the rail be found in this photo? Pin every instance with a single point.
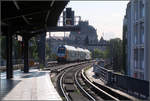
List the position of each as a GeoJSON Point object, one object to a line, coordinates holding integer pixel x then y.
{"type": "Point", "coordinates": [69, 78]}
{"type": "Point", "coordinates": [102, 93]}
{"type": "Point", "coordinates": [61, 86]}
{"type": "Point", "coordinates": [93, 99]}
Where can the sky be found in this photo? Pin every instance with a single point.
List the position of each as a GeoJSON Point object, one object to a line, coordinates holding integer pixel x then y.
{"type": "Point", "coordinates": [105, 16]}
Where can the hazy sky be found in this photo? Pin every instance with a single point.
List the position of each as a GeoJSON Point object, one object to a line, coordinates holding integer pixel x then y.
{"type": "Point", "coordinates": [105, 16]}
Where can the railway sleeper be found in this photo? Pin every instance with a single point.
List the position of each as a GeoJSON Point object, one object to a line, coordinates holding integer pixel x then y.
{"type": "Point", "coordinates": [68, 77]}
{"type": "Point", "coordinates": [68, 81]}
{"type": "Point", "coordinates": [75, 96]}
{"type": "Point", "coordinates": [70, 88]}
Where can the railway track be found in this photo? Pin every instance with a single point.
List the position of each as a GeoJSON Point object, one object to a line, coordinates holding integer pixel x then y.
{"type": "Point", "coordinates": [70, 87]}
{"type": "Point", "coordinates": [104, 92]}
{"type": "Point", "coordinates": [54, 66]}
{"type": "Point", "coordinates": [73, 85]}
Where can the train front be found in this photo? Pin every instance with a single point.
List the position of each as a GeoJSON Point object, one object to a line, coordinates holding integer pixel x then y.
{"type": "Point", "coordinates": [61, 54]}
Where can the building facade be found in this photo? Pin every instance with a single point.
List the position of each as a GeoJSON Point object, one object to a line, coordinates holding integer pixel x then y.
{"type": "Point", "coordinates": [127, 38]}
{"type": "Point", "coordinates": [136, 33]}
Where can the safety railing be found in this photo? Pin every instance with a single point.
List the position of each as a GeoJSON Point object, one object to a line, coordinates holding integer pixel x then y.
{"type": "Point", "coordinates": [133, 86]}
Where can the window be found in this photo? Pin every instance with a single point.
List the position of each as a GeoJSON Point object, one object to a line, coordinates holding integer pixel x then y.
{"type": "Point", "coordinates": [136, 10]}
{"type": "Point", "coordinates": [141, 58]}
{"type": "Point", "coordinates": [142, 10]}
{"type": "Point", "coordinates": [135, 58]}
{"type": "Point", "coordinates": [142, 33]}
{"type": "Point", "coordinates": [61, 50]}
{"type": "Point", "coordinates": [141, 75]}
{"type": "Point", "coordinates": [136, 34]}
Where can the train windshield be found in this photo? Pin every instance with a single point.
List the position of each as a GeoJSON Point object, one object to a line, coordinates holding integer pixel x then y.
{"type": "Point", "coordinates": [61, 50]}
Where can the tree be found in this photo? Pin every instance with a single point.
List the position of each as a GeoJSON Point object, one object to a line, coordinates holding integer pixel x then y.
{"type": "Point", "coordinates": [48, 51]}
{"type": "Point", "coordinates": [33, 52]}
{"type": "Point", "coordinates": [3, 47]}
{"type": "Point", "coordinates": [124, 48]}
{"type": "Point", "coordinates": [116, 50]}
{"type": "Point", "coordinates": [107, 53]}
{"type": "Point", "coordinates": [97, 53]}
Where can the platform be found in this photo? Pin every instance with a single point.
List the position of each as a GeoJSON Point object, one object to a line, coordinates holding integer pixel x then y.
{"type": "Point", "coordinates": [35, 85]}
{"type": "Point", "coordinates": [91, 76]}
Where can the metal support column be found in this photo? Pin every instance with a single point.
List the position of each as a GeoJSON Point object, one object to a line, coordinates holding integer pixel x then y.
{"type": "Point", "coordinates": [9, 69]}
{"type": "Point", "coordinates": [26, 64]}
{"type": "Point", "coordinates": [42, 48]}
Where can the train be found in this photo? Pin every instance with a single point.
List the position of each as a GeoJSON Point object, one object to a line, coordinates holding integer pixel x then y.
{"type": "Point", "coordinates": [66, 53]}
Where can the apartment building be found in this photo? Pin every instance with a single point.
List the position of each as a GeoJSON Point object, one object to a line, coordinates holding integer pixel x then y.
{"type": "Point", "coordinates": [136, 35]}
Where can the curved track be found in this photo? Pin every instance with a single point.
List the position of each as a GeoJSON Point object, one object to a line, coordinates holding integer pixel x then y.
{"type": "Point", "coordinates": [102, 91]}
{"type": "Point", "coordinates": [70, 86]}
{"type": "Point", "coordinates": [73, 85]}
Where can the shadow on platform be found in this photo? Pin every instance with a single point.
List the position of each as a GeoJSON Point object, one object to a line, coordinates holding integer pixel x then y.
{"type": "Point", "coordinates": [6, 86]}
{"type": "Point", "coordinates": [34, 74]}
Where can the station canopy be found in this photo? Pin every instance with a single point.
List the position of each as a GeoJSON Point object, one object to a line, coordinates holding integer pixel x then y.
{"type": "Point", "coordinates": [26, 17]}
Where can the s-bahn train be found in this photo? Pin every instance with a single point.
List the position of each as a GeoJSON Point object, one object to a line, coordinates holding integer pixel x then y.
{"type": "Point", "coordinates": [68, 53]}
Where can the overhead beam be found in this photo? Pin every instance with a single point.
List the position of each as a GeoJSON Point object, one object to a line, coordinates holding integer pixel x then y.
{"type": "Point", "coordinates": [58, 29]}
{"type": "Point", "coordinates": [48, 13]}
{"type": "Point", "coordinates": [26, 12]}
{"type": "Point", "coordinates": [52, 3]}
{"type": "Point", "coordinates": [18, 8]}
{"type": "Point", "coordinates": [64, 28]}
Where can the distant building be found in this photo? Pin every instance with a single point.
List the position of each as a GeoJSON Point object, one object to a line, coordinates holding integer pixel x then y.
{"type": "Point", "coordinates": [136, 33]}
{"type": "Point", "coordinates": [87, 32]}
{"type": "Point", "coordinates": [86, 38]}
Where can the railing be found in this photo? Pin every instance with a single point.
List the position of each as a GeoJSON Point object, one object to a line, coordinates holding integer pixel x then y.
{"type": "Point", "coordinates": [133, 86]}
{"type": "Point", "coordinates": [137, 87]}
{"type": "Point", "coordinates": [17, 66]}
{"type": "Point", "coordinates": [102, 73]}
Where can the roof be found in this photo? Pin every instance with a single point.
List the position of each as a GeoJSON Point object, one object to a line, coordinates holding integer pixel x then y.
{"type": "Point", "coordinates": [57, 37]}
{"type": "Point", "coordinates": [75, 48]}
{"type": "Point", "coordinates": [70, 48]}
{"type": "Point", "coordinates": [25, 17]}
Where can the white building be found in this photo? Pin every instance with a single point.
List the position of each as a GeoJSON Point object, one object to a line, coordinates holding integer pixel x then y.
{"type": "Point", "coordinates": [138, 44]}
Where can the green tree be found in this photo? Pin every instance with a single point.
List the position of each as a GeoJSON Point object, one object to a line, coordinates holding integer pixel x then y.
{"type": "Point", "coordinates": [3, 47]}
{"type": "Point", "coordinates": [116, 54]}
{"type": "Point", "coordinates": [16, 48]}
{"type": "Point", "coordinates": [124, 48]}
{"type": "Point", "coordinates": [33, 53]}
{"type": "Point", "coordinates": [53, 56]}
{"type": "Point", "coordinates": [97, 53]}
{"type": "Point", "coordinates": [107, 53]}
{"type": "Point", "coordinates": [48, 51]}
